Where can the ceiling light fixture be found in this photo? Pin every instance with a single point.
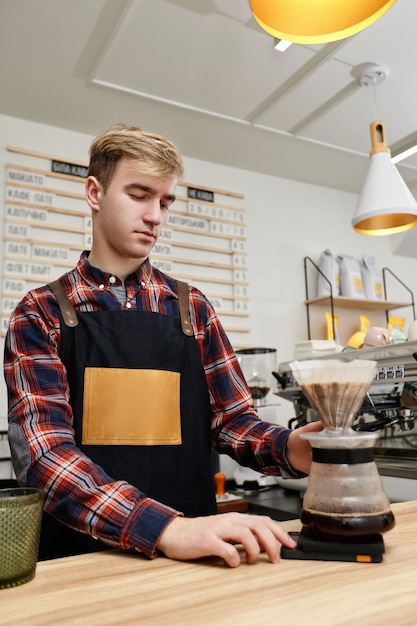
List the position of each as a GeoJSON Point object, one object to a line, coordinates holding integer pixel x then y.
{"type": "Point", "coordinates": [281, 44]}
{"type": "Point", "coordinates": [317, 21]}
{"type": "Point", "coordinates": [385, 205]}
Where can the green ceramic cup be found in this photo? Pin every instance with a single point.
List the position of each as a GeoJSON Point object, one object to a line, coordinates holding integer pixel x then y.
{"type": "Point", "coordinates": [20, 528]}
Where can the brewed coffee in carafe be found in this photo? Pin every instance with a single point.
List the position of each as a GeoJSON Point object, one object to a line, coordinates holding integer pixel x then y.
{"type": "Point", "coordinates": [344, 494]}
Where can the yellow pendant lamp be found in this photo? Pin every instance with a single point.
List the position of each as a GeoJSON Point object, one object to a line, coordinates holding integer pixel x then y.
{"type": "Point", "coordinates": [386, 205]}
{"type": "Point", "coordinates": [317, 21]}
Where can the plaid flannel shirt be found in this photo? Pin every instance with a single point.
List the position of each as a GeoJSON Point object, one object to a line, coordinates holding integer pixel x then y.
{"type": "Point", "coordinates": [40, 417]}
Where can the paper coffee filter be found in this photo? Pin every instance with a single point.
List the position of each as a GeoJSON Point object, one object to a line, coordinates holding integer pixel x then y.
{"type": "Point", "coordinates": [334, 388]}
{"type": "Point", "coordinates": [333, 370]}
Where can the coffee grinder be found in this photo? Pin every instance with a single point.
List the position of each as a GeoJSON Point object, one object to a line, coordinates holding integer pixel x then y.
{"type": "Point", "coordinates": [345, 509]}
{"type": "Point", "coordinates": [257, 366]}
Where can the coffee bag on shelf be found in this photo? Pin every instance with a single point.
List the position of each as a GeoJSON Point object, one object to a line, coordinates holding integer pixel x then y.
{"type": "Point", "coordinates": [372, 279]}
{"type": "Point", "coordinates": [350, 277]}
{"type": "Point", "coordinates": [329, 267]}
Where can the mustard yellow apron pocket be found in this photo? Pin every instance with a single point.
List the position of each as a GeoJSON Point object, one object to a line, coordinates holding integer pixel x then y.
{"type": "Point", "coordinates": [131, 407]}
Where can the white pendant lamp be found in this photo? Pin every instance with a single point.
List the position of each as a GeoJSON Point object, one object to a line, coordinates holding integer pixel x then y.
{"type": "Point", "coordinates": [386, 205]}
{"type": "Point", "coordinates": [317, 21]}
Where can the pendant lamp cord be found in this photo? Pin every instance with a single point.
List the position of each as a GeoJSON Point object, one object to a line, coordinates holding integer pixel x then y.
{"type": "Point", "coordinates": [375, 102]}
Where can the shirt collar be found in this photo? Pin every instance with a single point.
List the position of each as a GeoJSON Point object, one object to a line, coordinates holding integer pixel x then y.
{"type": "Point", "coordinates": [96, 276]}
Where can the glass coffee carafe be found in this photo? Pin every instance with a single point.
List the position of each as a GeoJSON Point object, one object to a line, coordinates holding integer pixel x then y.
{"type": "Point", "coordinates": [344, 493]}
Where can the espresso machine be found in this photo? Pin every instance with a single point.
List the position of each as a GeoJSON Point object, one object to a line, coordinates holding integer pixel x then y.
{"type": "Point", "coordinates": [389, 407]}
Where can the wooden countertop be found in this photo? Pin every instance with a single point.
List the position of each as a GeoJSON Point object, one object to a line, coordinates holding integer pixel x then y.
{"type": "Point", "coordinates": [113, 588]}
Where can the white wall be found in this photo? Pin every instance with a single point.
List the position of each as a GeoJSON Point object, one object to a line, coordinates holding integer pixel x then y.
{"type": "Point", "coordinates": [287, 220]}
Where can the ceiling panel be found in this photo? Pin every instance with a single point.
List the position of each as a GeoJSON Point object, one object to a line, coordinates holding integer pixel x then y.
{"type": "Point", "coordinates": [304, 99]}
{"type": "Point", "coordinates": [205, 74]}
{"type": "Point", "coordinates": [181, 64]}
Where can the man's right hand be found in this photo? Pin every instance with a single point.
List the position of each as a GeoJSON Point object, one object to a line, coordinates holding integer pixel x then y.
{"type": "Point", "coordinates": [216, 535]}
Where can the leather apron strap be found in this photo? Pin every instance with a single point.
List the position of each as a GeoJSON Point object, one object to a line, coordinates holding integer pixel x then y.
{"type": "Point", "coordinates": [71, 320]}
{"type": "Point", "coordinates": [183, 295]}
{"type": "Point", "coordinates": [67, 310]}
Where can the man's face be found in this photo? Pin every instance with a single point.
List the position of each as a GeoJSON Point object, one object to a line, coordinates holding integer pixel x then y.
{"type": "Point", "coordinates": [130, 214]}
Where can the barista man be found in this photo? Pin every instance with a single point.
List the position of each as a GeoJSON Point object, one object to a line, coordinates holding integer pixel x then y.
{"type": "Point", "coordinates": [115, 401]}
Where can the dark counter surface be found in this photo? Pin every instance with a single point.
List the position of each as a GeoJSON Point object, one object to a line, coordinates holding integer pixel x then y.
{"type": "Point", "coordinates": [279, 503]}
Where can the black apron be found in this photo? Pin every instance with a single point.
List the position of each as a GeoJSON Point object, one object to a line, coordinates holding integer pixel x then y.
{"type": "Point", "coordinates": [131, 342]}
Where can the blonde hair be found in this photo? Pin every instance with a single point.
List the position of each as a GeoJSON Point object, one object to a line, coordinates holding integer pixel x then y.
{"type": "Point", "coordinates": [156, 154]}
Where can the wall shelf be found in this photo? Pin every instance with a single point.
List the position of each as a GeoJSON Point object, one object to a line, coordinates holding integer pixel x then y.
{"type": "Point", "coordinates": [354, 304]}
